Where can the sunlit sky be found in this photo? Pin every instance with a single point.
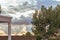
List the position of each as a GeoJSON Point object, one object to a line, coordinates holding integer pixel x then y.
{"type": "Point", "coordinates": [14, 2]}
{"type": "Point", "coordinates": [20, 18]}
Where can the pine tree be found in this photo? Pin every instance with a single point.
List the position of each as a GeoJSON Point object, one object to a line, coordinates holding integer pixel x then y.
{"type": "Point", "coordinates": [46, 22]}
{"type": "Point", "coordinates": [0, 9]}
{"type": "Point", "coordinates": [28, 34]}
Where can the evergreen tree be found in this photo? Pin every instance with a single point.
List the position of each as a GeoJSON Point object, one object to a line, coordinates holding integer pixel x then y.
{"type": "Point", "coordinates": [28, 34]}
{"type": "Point", "coordinates": [46, 22]}
{"type": "Point", "coordinates": [0, 9]}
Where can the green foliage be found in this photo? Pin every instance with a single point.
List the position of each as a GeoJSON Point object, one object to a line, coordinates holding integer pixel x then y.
{"type": "Point", "coordinates": [28, 34]}
{"type": "Point", "coordinates": [38, 38]}
{"type": "Point", "coordinates": [0, 8]}
{"type": "Point", "coordinates": [45, 17]}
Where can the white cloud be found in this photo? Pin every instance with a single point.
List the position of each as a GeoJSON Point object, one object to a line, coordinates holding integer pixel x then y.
{"type": "Point", "coordinates": [15, 2]}
{"type": "Point", "coordinates": [8, 2]}
{"type": "Point", "coordinates": [26, 14]}
{"type": "Point", "coordinates": [56, 0]}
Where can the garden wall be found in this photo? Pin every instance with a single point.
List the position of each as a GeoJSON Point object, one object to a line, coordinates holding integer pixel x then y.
{"type": "Point", "coordinates": [18, 38]}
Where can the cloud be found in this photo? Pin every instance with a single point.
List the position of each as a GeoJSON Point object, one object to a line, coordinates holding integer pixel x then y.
{"type": "Point", "coordinates": [22, 18]}
{"type": "Point", "coordinates": [56, 0]}
{"type": "Point", "coordinates": [25, 17]}
{"type": "Point", "coordinates": [15, 2]}
{"type": "Point", "coordinates": [19, 18]}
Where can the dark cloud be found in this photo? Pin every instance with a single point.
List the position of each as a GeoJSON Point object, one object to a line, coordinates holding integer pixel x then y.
{"type": "Point", "coordinates": [22, 20]}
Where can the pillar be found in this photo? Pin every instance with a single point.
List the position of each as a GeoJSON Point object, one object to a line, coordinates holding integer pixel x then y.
{"type": "Point", "coordinates": [9, 31]}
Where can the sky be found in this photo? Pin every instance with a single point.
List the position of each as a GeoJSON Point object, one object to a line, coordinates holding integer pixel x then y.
{"type": "Point", "coordinates": [27, 7]}
{"type": "Point", "coordinates": [33, 2]}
